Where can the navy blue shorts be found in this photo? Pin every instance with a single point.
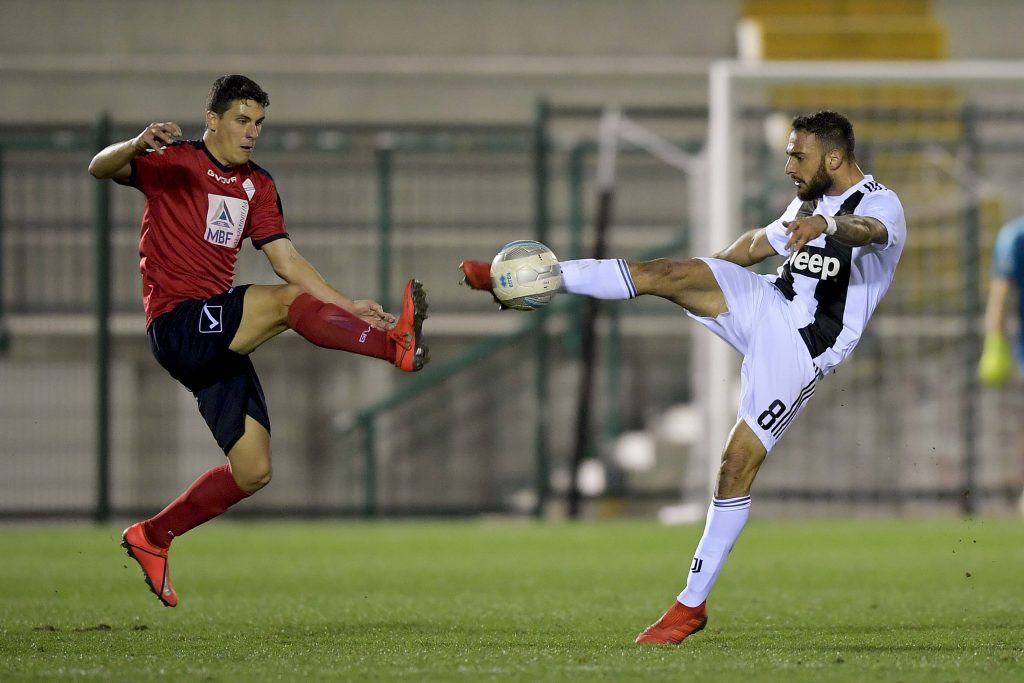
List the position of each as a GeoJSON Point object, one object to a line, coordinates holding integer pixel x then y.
{"type": "Point", "coordinates": [191, 342]}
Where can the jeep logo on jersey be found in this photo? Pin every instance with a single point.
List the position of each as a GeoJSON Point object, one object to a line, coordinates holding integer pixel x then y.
{"type": "Point", "coordinates": [225, 220]}
{"type": "Point", "coordinates": [813, 262]}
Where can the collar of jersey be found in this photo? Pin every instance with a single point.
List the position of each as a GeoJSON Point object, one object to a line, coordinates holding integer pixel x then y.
{"type": "Point", "coordinates": [839, 199]}
{"type": "Point", "coordinates": [213, 159]}
{"type": "Point", "coordinates": [863, 181]}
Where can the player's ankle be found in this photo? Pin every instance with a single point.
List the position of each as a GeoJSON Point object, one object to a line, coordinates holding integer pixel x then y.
{"type": "Point", "coordinates": [155, 537]}
{"type": "Point", "coordinates": [391, 349]}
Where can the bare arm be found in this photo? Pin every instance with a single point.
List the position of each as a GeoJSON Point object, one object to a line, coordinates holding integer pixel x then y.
{"type": "Point", "coordinates": [751, 247]}
{"type": "Point", "coordinates": [996, 364]}
{"type": "Point", "coordinates": [995, 307]}
{"type": "Point", "coordinates": [856, 231]}
{"type": "Point", "coordinates": [114, 161]}
{"type": "Point", "coordinates": [294, 269]}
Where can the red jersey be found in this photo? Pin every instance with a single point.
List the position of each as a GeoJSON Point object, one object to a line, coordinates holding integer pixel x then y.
{"type": "Point", "coordinates": [197, 214]}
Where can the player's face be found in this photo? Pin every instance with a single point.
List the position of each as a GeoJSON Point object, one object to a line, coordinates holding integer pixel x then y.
{"type": "Point", "coordinates": [806, 166]}
{"type": "Point", "coordinates": [231, 137]}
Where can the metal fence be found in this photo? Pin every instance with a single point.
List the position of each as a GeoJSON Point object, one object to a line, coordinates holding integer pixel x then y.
{"type": "Point", "coordinates": [90, 425]}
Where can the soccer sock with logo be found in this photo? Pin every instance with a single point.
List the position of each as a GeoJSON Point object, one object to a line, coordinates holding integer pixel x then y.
{"type": "Point", "coordinates": [599, 278]}
{"type": "Point", "coordinates": [208, 496]}
{"type": "Point", "coordinates": [726, 519]}
{"type": "Point", "coordinates": [333, 327]}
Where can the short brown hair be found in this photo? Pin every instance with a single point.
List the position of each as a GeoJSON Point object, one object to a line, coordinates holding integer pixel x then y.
{"type": "Point", "coordinates": [833, 130]}
{"type": "Point", "coordinates": [227, 89]}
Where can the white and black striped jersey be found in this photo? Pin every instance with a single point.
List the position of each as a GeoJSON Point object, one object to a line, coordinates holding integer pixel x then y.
{"type": "Point", "coordinates": [834, 288]}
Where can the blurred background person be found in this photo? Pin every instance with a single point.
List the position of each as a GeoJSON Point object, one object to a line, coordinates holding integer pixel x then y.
{"type": "Point", "coordinates": [998, 360]}
{"type": "Point", "coordinates": [1004, 343]}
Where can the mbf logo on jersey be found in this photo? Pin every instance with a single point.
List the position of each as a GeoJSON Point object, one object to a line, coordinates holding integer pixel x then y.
{"type": "Point", "coordinates": [813, 262]}
{"type": "Point", "coordinates": [225, 220]}
{"type": "Point", "coordinates": [210, 320]}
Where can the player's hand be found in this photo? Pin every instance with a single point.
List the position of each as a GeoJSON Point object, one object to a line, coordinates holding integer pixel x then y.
{"type": "Point", "coordinates": [996, 364]}
{"type": "Point", "coordinates": [156, 136]}
{"type": "Point", "coordinates": [373, 313]}
{"type": "Point", "coordinates": [803, 230]}
{"type": "Point", "coordinates": [477, 275]}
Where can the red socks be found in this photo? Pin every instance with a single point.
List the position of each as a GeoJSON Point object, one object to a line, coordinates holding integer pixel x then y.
{"type": "Point", "coordinates": [208, 496]}
{"type": "Point", "coordinates": [333, 327]}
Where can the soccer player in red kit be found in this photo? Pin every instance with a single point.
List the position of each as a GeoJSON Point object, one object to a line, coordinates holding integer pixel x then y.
{"type": "Point", "coordinates": [203, 197]}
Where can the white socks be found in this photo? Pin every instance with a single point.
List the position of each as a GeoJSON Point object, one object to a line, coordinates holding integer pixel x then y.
{"type": "Point", "coordinates": [599, 278]}
{"type": "Point", "coordinates": [726, 519]}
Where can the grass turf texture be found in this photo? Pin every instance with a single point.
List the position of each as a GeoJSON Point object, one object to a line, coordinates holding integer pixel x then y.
{"type": "Point", "coordinates": [466, 601]}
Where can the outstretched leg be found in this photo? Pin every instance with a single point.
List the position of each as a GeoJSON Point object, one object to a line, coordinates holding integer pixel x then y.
{"type": "Point", "coordinates": [269, 310]}
{"type": "Point", "coordinates": [688, 283]}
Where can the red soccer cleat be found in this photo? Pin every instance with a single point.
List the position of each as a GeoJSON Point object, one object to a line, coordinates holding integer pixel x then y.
{"type": "Point", "coordinates": [476, 274]}
{"type": "Point", "coordinates": [410, 352]}
{"type": "Point", "coordinates": [153, 560]}
{"type": "Point", "coordinates": [677, 623]}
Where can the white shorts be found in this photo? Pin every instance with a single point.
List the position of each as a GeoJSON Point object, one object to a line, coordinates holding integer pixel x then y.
{"type": "Point", "coordinates": [778, 376]}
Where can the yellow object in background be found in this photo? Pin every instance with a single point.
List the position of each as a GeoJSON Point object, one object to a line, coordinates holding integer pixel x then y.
{"type": "Point", "coordinates": [996, 364]}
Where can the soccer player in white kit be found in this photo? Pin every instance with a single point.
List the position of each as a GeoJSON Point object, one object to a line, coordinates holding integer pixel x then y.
{"type": "Point", "coordinates": [842, 237]}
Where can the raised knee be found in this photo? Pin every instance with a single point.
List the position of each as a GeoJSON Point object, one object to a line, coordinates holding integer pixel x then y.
{"type": "Point", "coordinates": [668, 274]}
{"type": "Point", "coordinates": [664, 268]}
{"type": "Point", "coordinates": [286, 294]}
{"type": "Point", "coordinates": [252, 479]}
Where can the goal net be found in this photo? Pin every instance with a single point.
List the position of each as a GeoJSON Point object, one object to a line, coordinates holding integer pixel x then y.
{"type": "Point", "coordinates": [903, 426]}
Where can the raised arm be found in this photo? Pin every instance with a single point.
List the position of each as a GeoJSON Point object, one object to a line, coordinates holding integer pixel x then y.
{"type": "Point", "coordinates": [115, 161]}
{"type": "Point", "coordinates": [857, 231]}
{"type": "Point", "coordinates": [751, 247]}
{"type": "Point", "coordinates": [294, 269]}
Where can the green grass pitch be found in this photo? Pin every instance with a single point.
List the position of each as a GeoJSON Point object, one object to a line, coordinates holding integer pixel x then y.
{"type": "Point", "coordinates": [935, 601]}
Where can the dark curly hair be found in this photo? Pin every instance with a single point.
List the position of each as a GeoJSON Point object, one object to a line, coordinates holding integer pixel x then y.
{"type": "Point", "coordinates": [832, 129]}
{"type": "Point", "coordinates": [227, 89]}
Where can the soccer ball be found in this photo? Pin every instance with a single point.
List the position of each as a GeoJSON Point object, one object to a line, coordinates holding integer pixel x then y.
{"type": "Point", "coordinates": [525, 275]}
